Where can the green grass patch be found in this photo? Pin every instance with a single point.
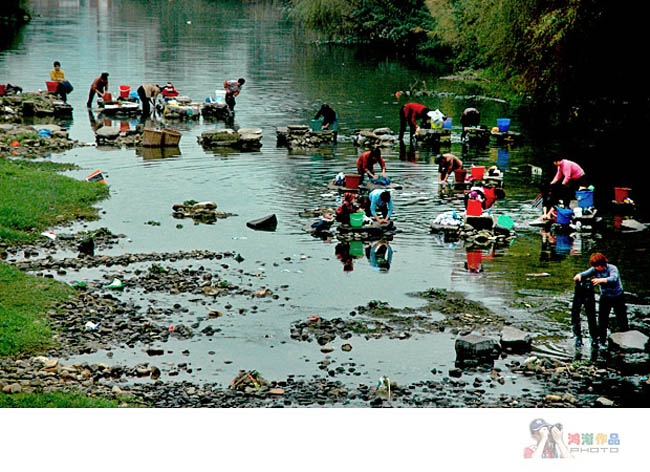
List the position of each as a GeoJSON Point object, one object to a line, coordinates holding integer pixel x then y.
{"type": "Point", "coordinates": [33, 198]}
{"type": "Point", "coordinates": [46, 165]}
{"type": "Point", "coordinates": [24, 302]}
{"type": "Point", "coordinates": [54, 400]}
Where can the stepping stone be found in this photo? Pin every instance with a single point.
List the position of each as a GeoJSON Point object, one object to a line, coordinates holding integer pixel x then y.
{"type": "Point", "coordinates": [266, 223]}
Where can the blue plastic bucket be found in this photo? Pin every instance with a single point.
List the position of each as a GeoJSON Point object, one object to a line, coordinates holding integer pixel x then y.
{"type": "Point", "coordinates": [585, 198]}
{"type": "Point", "coordinates": [563, 244]}
{"type": "Point", "coordinates": [446, 124]}
{"type": "Point", "coordinates": [503, 124]}
{"type": "Point", "coordinates": [564, 215]}
{"type": "Point", "coordinates": [503, 156]}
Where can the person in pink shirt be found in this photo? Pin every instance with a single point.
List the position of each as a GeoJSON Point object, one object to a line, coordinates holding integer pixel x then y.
{"type": "Point", "coordinates": [568, 178]}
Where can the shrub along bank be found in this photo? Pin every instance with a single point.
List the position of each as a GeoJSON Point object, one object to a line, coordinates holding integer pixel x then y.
{"type": "Point", "coordinates": [574, 58]}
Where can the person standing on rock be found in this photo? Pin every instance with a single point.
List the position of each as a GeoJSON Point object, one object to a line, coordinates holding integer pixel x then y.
{"type": "Point", "coordinates": [148, 94]}
{"type": "Point", "coordinates": [606, 276]}
{"type": "Point", "coordinates": [366, 162]}
{"type": "Point", "coordinates": [99, 86]}
{"type": "Point", "coordinates": [447, 164]}
{"type": "Point", "coordinates": [411, 113]}
{"type": "Point", "coordinates": [233, 88]}
{"type": "Point", "coordinates": [470, 117]}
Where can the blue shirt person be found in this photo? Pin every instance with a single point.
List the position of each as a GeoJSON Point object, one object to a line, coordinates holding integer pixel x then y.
{"type": "Point", "coordinates": [606, 276]}
{"type": "Point", "coordinates": [380, 201]}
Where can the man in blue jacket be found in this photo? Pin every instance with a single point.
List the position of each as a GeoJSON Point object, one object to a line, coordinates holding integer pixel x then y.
{"type": "Point", "coordinates": [380, 201]}
{"type": "Point", "coordinates": [611, 293]}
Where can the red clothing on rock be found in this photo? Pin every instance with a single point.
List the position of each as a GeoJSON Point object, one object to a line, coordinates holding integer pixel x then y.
{"type": "Point", "coordinates": [490, 197]}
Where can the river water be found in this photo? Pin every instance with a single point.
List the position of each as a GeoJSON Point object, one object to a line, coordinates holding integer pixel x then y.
{"type": "Point", "coordinates": [196, 45]}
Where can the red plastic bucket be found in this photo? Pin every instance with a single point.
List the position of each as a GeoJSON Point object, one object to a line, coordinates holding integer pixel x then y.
{"type": "Point", "coordinates": [474, 208]}
{"type": "Point", "coordinates": [125, 90]}
{"type": "Point", "coordinates": [621, 193]}
{"type": "Point", "coordinates": [478, 172]}
{"type": "Point", "coordinates": [459, 176]}
{"type": "Point", "coordinates": [108, 97]}
{"type": "Point", "coordinates": [352, 180]}
{"type": "Point", "coordinates": [124, 126]}
{"type": "Point", "coordinates": [51, 86]}
{"type": "Point", "coordinates": [2, 89]}
{"type": "Point", "coordinates": [474, 259]}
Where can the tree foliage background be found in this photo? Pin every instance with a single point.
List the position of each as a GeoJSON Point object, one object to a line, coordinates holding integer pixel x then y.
{"type": "Point", "coordinates": [578, 57]}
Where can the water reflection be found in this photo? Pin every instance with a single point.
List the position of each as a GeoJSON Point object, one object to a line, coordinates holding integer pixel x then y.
{"type": "Point", "coordinates": [380, 256]}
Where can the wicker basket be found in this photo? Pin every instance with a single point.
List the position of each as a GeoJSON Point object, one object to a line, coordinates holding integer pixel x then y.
{"type": "Point", "coordinates": [171, 137]}
{"type": "Point", "coordinates": [152, 138]}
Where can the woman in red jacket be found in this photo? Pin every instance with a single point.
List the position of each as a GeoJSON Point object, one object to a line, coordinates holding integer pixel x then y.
{"type": "Point", "coordinates": [411, 113]}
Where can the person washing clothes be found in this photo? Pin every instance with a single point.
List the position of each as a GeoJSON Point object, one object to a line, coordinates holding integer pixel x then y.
{"type": "Point", "coordinates": [486, 195]}
{"type": "Point", "coordinates": [348, 207]}
{"type": "Point", "coordinates": [447, 163]}
{"type": "Point", "coordinates": [148, 94]}
{"type": "Point", "coordinates": [63, 87]}
{"type": "Point", "coordinates": [233, 88]}
{"type": "Point", "coordinates": [380, 202]}
{"type": "Point", "coordinates": [367, 161]}
{"type": "Point", "coordinates": [330, 119]}
{"type": "Point", "coordinates": [411, 113]}
{"type": "Point", "coordinates": [568, 178]}
{"type": "Point", "coordinates": [470, 117]}
{"type": "Point", "coordinates": [606, 276]}
{"type": "Point", "coordinates": [168, 91]}
{"type": "Point", "coordinates": [99, 86]}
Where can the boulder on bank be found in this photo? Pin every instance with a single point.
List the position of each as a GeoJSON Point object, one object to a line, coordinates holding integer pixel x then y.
{"type": "Point", "coordinates": [629, 351]}
{"type": "Point", "coordinates": [33, 141]}
{"type": "Point", "coordinates": [476, 349]}
{"type": "Point", "coordinates": [13, 108]}
{"type": "Point", "coordinates": [515, 340]}
{"type": "Point", "coordinates": [628, 341]}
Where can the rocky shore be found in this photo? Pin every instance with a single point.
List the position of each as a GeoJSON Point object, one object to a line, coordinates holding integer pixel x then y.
{"type": "Point", "coordinates": [101, 319]}
{"type": "Point", "coordinates": [19, 140]}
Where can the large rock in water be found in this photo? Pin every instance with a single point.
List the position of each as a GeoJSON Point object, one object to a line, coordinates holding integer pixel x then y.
{"type": "Point", "coordinates": [267, 223]}
{"type": "Point", "coordinates": [476, 349]}
{"type": "Point", "coordinates": [226, 138]}
{"type": "Point", "coordinates": [515, 340]}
